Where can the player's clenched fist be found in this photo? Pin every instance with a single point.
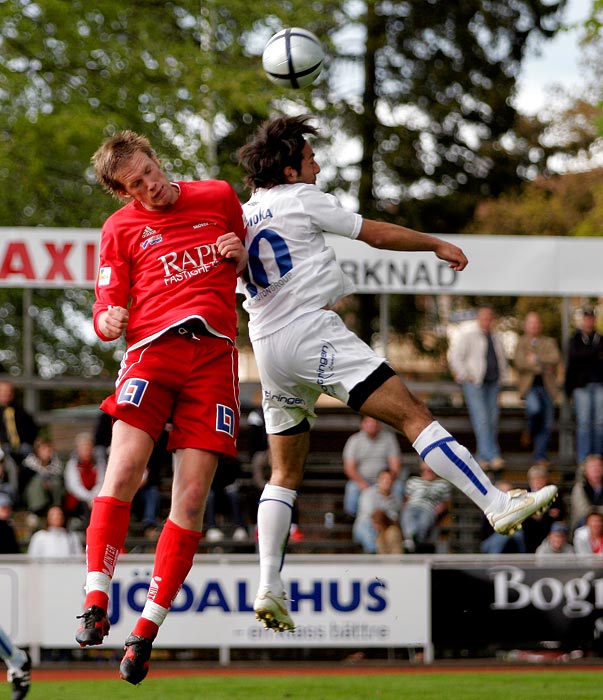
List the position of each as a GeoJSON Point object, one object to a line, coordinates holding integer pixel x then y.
{"type": "Point", "coordinates": [230, 246]}
{"type": "Point", "coordinates": [112, 323]}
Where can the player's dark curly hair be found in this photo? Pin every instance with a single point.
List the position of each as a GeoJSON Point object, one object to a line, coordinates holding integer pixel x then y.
{"type": "Point", "coordinates": [277, 144]}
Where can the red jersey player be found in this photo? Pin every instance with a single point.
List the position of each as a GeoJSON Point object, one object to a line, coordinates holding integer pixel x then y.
{"type": "Point", "coordinates": [169, 260]}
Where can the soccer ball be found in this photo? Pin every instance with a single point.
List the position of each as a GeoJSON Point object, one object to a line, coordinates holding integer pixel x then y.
{"type": "Point", "coordinates": [293, 58]}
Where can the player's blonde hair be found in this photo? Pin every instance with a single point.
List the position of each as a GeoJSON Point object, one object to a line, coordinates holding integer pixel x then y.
{"type": "Point", "coordinates": [113, 154]}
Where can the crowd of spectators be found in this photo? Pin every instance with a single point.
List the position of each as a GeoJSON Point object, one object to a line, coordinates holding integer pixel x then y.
{"type": "Point", "coordinates": [387, 509]}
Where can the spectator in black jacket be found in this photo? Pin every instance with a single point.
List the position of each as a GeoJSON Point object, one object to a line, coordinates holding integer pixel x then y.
{"type": "Point", "coordinates": [8, 539]}
{"type": "Point", "coordinates": [18, 430]}
{"type": "Point", "coordinates": [584, 385]}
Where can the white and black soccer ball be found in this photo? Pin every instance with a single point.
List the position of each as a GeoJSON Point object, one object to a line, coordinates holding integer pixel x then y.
{"type": "Point", "coordinates": [293, 58]}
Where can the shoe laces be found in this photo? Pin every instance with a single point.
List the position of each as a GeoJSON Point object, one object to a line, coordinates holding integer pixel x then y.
{"type": "Point", "coordinates": [91, 616]}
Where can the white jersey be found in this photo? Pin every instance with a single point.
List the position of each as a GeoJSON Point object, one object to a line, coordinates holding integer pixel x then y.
{"type": "Point", "coordinates": [291, 269]}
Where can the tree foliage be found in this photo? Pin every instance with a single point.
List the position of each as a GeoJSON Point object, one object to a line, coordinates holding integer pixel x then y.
{"type": "Point", "coordinates": [564, 205]}
{"type": "Point", "coordinates": [186, 74]}
{"type": "Point", "coordinates": [425, 129]}
{"type": "Point", "coordinates": [437, 124]}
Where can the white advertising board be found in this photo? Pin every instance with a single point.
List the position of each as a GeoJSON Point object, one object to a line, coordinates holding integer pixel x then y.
{"type": "Point", "coordinates": [335, 601]}
{"type": "Point", "coordinates": [498, 265]}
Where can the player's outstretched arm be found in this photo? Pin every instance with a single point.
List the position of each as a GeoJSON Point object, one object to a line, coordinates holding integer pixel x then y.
{"type": "Point", "coordinates": [380, 234]}
{"type": "Point", "coordinates": [230, 246]}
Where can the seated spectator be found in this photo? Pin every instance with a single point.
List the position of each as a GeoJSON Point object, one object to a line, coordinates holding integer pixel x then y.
{"type": "Point", "coordinates": [587, 491]}
{"type": "Point", "coordinates": [41, 478]}
{"type": "Point", "coordinates": [426, 501]}
{"type": "Point", "coordinates": [8, 538]}
{"type": "Point", "coordinates": [84, 473]}
{"type": "Point", "coordinates": [365, 454]}
{"type": "Point", "coordinates": [555, 542]}
{"type": "Point", "coordinates": [588, 538]}
{"type": "Point", "coordinates": [9, 478]}
{"type": "Point", "coordinates": [55, 540]}
{"type": "Point", "coordinates": [224, 496]}
{"type": "Point", "coordinates": [18, 430]}
{"type": "Point", "coordinates": [492, 542]}
{"type": "Point", "coordinates": [537, 527]}
{"type": "Point", "coordinates": [376, 526]}
{"type": "Point", "coordinates": [103, 430]}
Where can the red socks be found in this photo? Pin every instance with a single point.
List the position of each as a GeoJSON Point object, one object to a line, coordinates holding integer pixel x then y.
{"type": "Point", "coordinates": [176, 549]}
{"type": "Point", "coordinates": [105, 539]}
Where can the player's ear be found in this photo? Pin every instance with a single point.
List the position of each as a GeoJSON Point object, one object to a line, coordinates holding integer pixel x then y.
{"type": "Point", "coordinates": [120, 193]}
{"type": "Point", "coordinates": [290, 174]}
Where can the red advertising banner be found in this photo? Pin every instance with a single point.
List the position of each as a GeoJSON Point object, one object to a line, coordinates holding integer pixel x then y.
{"type": "Point", "coordinates": [48, 257]}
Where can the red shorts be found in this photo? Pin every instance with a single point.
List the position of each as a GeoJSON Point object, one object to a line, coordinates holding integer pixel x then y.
{"type": "Point", "coordinates": [192, 381]}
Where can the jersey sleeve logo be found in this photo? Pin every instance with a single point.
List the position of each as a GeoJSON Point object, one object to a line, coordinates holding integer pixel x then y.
{"type": "Point", "coordinates": [225, 419]}
{"type": "Point", "coordinates": [104, 276]}
{"type": "Point", "coordinates": [132, 391]}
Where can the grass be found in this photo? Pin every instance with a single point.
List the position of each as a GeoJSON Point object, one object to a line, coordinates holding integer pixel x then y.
{"type": "Point", "coordinates": [469, 685]}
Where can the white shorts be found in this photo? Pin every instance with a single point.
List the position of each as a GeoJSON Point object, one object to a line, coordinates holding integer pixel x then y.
{"type": "Point", "coordinates": [314, 354]}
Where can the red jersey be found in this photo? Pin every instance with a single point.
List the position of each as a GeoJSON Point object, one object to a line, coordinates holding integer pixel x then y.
{"type": "Point", "coordinates": [163, 266]}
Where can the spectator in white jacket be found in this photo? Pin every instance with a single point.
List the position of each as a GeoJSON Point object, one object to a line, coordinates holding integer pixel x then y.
{"type": "Point", "coordinates": [478, 364]}
{"type": "Point", "coordinates": [588, 539]}
{"type": "Point", "coordinates": [55, 541]}
{"type": "Point", "coordinates": [84, 473]}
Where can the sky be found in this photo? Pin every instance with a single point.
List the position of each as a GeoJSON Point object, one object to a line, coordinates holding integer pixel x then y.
{"type": "Point", "coordinates": [556, 64]}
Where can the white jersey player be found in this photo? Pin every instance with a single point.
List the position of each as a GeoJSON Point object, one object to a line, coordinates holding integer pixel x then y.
{"type": "Point", "coordinates": [303, 349]}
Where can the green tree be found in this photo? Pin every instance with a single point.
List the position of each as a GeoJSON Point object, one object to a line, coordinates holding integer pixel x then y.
{"type": "Point", "coordinates": [437, 125]}
{"type": "Point", "coordinates": [425, 131]}
{"type": "Point", "coordinates": [187, 74]}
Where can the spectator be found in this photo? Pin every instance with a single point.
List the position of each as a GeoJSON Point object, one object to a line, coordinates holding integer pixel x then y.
{"type": "Point", "coordinates": [260, 463]}
{"type": "Point", "coordinates": [365, 454]}
{"type": "Point", "coordinates": [42, 483]}
{"type": "Point", "coordinates": [537, 361]}
{"type": "Point", "coordinates": [9, 478]}
{"type": "Point", "coordinates": [102, 435]}
{"type": "Point", "coordinates": [492, 542]}
{"type": "Point", "coordinates": [18, 430]}
{"type": "Point", "coordinates": [84, 474]}
{"type": "Point", "coordinates": [584, 385]}
{"type": "Point", "coordinates": [537, 526]}
{"type": "Point", "coordinates": [555, 542]}
{"type": "Point", "coordinates": [8, 538]}
{"type": "Point", "coordinates": [224, 493]}
{"type": "Point", "coordinates": [588, 489]}
{"type": "Point", "coordinates": [588, 538]}
{"type": "Point", "coordinates": [478, 364]}
{"type": "Point", "coordinates": [427, 499]}
{"type": "Point", "coordinates": [55, 540]}
{"type": "Point", "coordinates": [376, 526]}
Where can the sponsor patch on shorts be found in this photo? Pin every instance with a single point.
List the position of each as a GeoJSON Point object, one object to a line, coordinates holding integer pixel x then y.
{"type": "Point", "coordinates": [132, 391]}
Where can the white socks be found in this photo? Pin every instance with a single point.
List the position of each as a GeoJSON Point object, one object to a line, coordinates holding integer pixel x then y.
{"type": "Point", "coordinates": [454, 463]}
{"type": "Point", "coordinates": [97, 581]}
{"type": "Point", "coordinates": [274, 520]}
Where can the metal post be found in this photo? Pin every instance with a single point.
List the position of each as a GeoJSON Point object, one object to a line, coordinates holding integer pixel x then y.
{"type": "Point", "coordinates": [30, 395]}
{"type": "Point", "coordinates": [384, 322]}
{"type": "Point", "coordinates": [566, 432]}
